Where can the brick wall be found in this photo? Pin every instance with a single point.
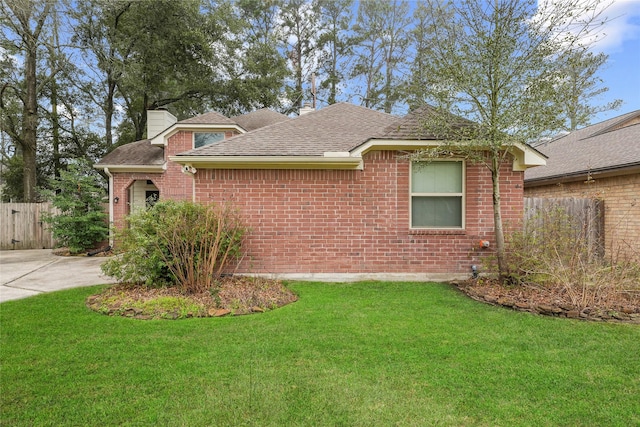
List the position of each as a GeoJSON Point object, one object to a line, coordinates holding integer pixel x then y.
{"type": "Point", "coordinates": [622, 208]}
{"type": "Point", "coordinates": [306, 221]}
{"type": "Point", "coordinates": [177, 185]}
{"type": "Point", "coordinates": [172, 183]}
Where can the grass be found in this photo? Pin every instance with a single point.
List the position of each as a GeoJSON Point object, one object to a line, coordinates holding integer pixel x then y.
{"type": "Point", "coordinates": [406, 354]}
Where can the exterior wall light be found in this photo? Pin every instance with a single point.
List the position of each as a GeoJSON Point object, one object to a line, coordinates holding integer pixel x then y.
{"type": "Point", "coordinates": [116, 199]}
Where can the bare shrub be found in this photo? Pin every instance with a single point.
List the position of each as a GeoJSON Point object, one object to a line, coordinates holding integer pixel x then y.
{"type": "Point", "coordinates": [198, 241]}
{"type": "Point", "coordinates": [553, 250]}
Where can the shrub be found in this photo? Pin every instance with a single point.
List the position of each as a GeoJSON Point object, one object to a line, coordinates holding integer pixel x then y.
{"type": "Point", "coordinates": [178, 243]}
{"type": "Point", "coordinates": [553, 250]}
{"type": "Point", "coordinates": [79, 197]}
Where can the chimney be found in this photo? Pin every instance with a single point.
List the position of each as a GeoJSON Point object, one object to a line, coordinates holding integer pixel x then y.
{"type": "Point", "coordinates": [306, 109]}
{"type": "Point", "coordinates": [158, 121]}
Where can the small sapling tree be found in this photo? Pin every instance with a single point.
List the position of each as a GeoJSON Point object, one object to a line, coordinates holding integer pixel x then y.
{"type": "Point", "coordinates": [499, 64]}
{"type": "Point", "coordinates": [79, 198]}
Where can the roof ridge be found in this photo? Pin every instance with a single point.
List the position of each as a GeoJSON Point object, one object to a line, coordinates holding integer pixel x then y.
{"type": "Point", "coordinates": [615, 121]}
{"type": "Point", "coordinates": [195, 119]}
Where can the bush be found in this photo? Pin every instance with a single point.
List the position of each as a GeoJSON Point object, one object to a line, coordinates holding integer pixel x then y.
{"type": "Point", "coordinates": [553, 251]}
{"type": "Point", "coordinates": [82, 221]}
{"type": "Point", "coordinates": [178, 243]}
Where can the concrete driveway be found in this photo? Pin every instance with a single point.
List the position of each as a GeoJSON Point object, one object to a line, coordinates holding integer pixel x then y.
{"type": "Point", "coordinates": [32, 272]}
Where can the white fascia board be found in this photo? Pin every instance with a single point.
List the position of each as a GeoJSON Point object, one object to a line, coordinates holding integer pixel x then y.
{"type": "Point", "coordinates": [336, 154]}
{"type": "Point", "coordinates": [524, 156]}
{"type": "Point", "coordinates": [270, 162]}
{"type": "Point", "coordinates": [134, 168]}
{"type": "Point", "coordinates": [393, 144]}
{"type": "Point", "coordinates": [162, 138]}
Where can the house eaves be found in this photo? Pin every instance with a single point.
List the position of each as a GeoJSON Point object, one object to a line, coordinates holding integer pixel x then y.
{"type": "Point", "coordinates": [132, 168]}
{"type": "Point", "coordinates": [524, 156]}
{"type": "Point", "coordinates": [585, 175]}
{"type": "Point", "coordinates": [330, 160]}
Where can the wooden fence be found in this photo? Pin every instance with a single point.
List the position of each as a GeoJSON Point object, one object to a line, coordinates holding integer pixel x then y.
{"type": "Point", "coordinates": [587, 216]}
{"type": "Point", "coordinates": [21, 226]}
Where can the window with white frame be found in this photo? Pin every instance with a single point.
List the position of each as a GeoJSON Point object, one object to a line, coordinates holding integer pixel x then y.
{"type": "Point", "coordinates": [437, 194]}
{"type": "Point", "coordinates": [200, 139]}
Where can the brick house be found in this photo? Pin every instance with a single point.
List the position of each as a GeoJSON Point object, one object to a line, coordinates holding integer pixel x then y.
{"type": "Point", "coordinates": [600, 161]}
{"type": "Point", "coordinates": [329, 193]}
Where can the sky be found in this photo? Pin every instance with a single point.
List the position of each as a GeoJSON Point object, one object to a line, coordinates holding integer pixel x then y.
{"type": "Point", "coordinates": [621, 73]}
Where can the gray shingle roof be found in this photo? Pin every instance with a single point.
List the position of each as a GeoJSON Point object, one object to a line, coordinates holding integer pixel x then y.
{"type": "Point", "coordinates": [211, 118]}
{"type": "Point", "coordinates": [336, 128]}
{"type": "Point", "coordinates": [412, 126]}
{"type": "Point", "coordinates": [258, 119]}
{"type": "Point", "coordinates": [609, 145]}
{"type": "Point", "coordinates": [134, 153]}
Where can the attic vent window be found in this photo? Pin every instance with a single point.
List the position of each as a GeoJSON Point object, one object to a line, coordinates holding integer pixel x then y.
{"type": "Point", "coordinates": [200, 139]}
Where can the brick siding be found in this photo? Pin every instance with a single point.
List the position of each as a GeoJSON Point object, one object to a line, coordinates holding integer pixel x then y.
{"type": "Point", "coordinates": [622, 209]}
{"type": "Point", "coordinates": [318, 221]}
{"type": "Point", "coordinates": [172, 183]}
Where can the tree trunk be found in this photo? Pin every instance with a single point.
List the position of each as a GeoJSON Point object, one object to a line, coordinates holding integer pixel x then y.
{"type": "Point", "coordinates": [334, 73]}
{"type": "Point", "coordinates": [30, 122]}
{"type": "Point", "coordinates": [108, 112]}
{"type": "Point", "coordinates": [497, 214]}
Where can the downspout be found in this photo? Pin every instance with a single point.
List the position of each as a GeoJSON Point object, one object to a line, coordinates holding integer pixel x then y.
{"type": "Point", "coordinates": [193, 187]}
{"type": "Point", "coordinates": [106, 170]}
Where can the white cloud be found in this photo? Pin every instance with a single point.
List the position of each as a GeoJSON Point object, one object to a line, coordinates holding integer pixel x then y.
{"type": "Point", "coordinates": [604, 25]}
{"type": "Point", "coordinates": [623, 25]}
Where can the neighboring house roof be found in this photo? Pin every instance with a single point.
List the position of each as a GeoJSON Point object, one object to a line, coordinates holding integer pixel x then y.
{"type": "Point", "coordinates": [608, 147]}
{"type": "Point", "coordinates": [337, 128]}
{"type": "Point", "coordinates": [258, 119]}
{"type": "Point", "coordinates": [135, 154]}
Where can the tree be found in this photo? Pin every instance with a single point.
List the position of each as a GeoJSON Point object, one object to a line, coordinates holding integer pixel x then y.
{"type": "Point", "coordinates": [79, 196]}
{"type": "Point", "coordinates": [97, 31]}
{"type": "Point", "coordinates": [497, 63]}
{"type": "Point", "coordinates": [301, 27]}
{"type": "Point", "coordinates": [25, 21]}
{"type": "Point", "coordinates": [417, 86]}
{"type": "Point", "coordinates": [172, 59]}
{"type": "Point", "coordinates": [381, 33]}
{"type": "Point", "coordinates": [152, 54]}
{"type": "Point", "coordinates": [252, 58]}
{"type": "Point", "coordinates": [580, 85]}
{"type": "Point", "coordinates": [334, 44]}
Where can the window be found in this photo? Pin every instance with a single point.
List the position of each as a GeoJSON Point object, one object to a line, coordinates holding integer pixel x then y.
{"type": "Point", "coordinates": [200, 139]}
{"type": "Point", "coordinates": [437, 194]}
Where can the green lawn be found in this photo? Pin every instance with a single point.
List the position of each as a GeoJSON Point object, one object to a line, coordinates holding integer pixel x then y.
{"type": "Point", "coordinates": [406, 354]}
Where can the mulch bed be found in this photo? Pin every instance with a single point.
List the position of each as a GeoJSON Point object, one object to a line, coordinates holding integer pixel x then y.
{"type": "Point", "coordinates": [104, 251]}
{"type": "Point", "coordinates": [623, 306]}
{"type": "Point", "coordinates": [233, 296]}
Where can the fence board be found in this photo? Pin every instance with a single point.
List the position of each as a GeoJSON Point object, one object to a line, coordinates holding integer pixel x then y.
{"type": "Point", "coordinates": [21, 226]}
{"type": "Point", "coordinates": [588, 214]}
